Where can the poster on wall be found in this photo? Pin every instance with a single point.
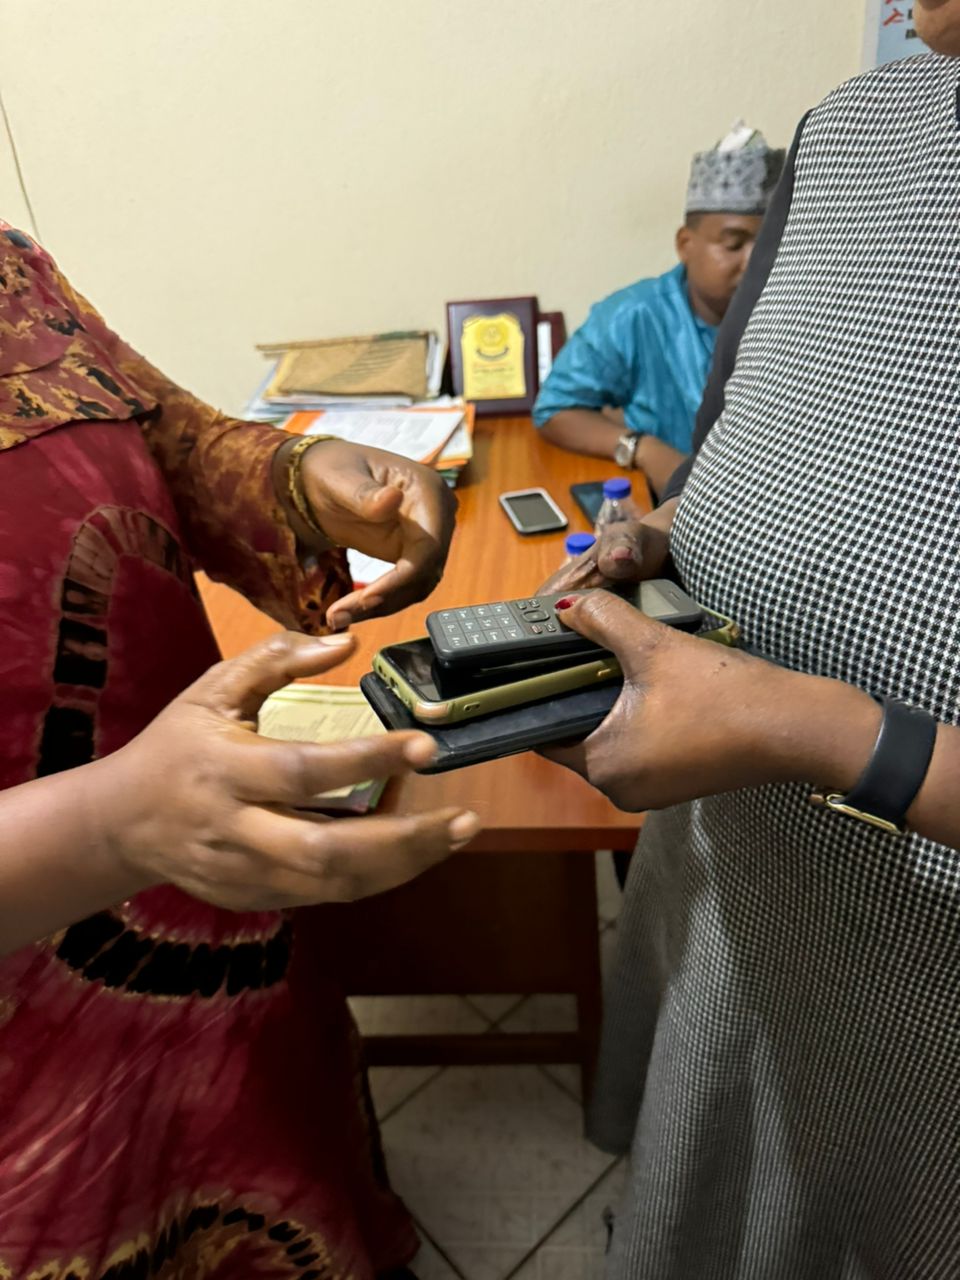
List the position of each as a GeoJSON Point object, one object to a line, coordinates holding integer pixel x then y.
{"type": "Point", "coordinates": [890, 33]}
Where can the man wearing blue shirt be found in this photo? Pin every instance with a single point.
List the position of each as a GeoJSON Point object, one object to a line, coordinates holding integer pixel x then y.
{"type": "Point", "coordinates": [628, 384]}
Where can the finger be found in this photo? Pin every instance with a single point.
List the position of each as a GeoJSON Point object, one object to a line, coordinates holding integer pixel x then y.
{"type": "Point", "coordinates": [429, 513]}
{"type": "Point", "coordinates": [265, 770]}
{"type": "Point", "coordinates": [238, 687]}
{"type": "Point", "coordinates": [619, 552]}
{"type": "Point", "coordinates": [354, 607]}
{"type": "Point", "coordinates": [350, 858]}
{"type": "Point", "coordinates": [411, 579]}
{"type": "Point", "coordinates": [612, 623]}
{"type": "Point", "coordinates": [579, 574]}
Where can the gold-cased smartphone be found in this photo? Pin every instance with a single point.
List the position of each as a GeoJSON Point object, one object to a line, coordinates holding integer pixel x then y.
{"type": "Point", "coordinates": [409, 670]}
{"type": "Point", "coordinates": [719, 629]}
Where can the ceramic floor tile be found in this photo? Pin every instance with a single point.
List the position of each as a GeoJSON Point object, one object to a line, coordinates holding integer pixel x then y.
{"type": "Point", "coordinates": [493, 1008]}
{"type": "Point", "coordinates": [575, 1249]}
{"type": "Point", "coordinates": [567, 1076]}
{"type": "Point", "coordinates": [562, 1264]}
{"type": "Point", "coordinates": [489, 1263]}
{"type": "Point", "coordinates": [609, 893]}
{"type": "Point", "coordinates": [430, 1265]}
{"type": "Point", "coordinates": [543, 1013]}
{"type": "Point", "coordinates": [488, 1160]}
{"type": "Point", "coordinates": [585, 1227]}
{"type": "Point", "coordinates": [392, 1086]}
{"type": "Point", "coordinates": [415, 1015]}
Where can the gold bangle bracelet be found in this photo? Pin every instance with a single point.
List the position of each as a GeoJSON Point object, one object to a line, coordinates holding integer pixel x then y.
{"type": "Point", "coordinates": [295, 486]}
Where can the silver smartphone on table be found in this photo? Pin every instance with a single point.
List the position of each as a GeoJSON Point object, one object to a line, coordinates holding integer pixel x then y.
{"type": "Point", "coordinates": [532, 511]}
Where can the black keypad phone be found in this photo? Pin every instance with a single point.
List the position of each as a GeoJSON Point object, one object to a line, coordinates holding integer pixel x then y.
{"type": "Point", "coordinates": [507, 630]}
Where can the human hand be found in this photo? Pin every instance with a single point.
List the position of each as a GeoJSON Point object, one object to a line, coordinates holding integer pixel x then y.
{"type": "Point", "coordinates": [386, 507]}
{"type": "Point", "coordinates": [696, 718]}
{"type": "Point", "coordinates": [632, 551]}
{"type": "Point", "coordinates": [200, 801]}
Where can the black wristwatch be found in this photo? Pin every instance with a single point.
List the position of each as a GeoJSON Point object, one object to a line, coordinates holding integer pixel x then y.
{"type": "Point", "coordinates": [888, 786]}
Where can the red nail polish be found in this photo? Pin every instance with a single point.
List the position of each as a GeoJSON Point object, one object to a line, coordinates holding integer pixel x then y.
{"type": "Point", "coordinates": [565, 603]}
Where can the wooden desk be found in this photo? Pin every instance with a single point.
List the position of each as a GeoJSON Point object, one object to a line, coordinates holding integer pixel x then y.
{"type": "Point", "coordinates": [517, 921]}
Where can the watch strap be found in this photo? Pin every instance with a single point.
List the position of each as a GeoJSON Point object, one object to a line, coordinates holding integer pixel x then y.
{"type": "Point", "coordinates": [888, 786]}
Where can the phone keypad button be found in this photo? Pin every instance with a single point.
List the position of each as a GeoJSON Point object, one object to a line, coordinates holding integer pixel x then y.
{"type": "Point", "coordinates": [550, 627]}
{"type": "Point", "coordinates": [464, 613]}
{"type": "Point", "coordinates": [513, 633]}
{"type": "Point", "coordinates": [501, 609]}
{"type": "Point", "coordinates": [456, 642]}
{"type": "Point", "coordinates": [478, 638]}
{"type": "Point", "coordinates": [537, 631]}
{"type": "Point", "coordinates": [487, 623]}
{"type": "Point", "coordinates": [482, 611]}
{"type": "Point", "coordinates": [471, 627]}
{"type": "Point", "coordinates": [535, 615]}
{"type": "Point", "coordinates": [494, 636]}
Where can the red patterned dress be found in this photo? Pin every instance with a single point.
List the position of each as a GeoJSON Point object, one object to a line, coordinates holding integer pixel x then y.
{"type": "Point", "coordinates": [177, 1100]}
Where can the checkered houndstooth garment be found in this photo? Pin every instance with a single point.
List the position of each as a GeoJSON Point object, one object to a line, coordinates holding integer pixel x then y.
{"type": "Point", "coordinates": [782, 1047]}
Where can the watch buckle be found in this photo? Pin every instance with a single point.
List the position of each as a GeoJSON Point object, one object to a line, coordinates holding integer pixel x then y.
{"type": "Point", "coordinates": [836, 803]}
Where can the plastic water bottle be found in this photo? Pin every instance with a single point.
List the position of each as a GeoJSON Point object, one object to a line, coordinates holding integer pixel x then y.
{"type": "Point", "coordinates": [617, 504]}
{"type": "Point", "coordinates": [577, 544]}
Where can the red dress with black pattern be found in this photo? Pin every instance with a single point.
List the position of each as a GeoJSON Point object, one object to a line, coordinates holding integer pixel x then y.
{"type": "Point", "coordinates": [178, 1100]}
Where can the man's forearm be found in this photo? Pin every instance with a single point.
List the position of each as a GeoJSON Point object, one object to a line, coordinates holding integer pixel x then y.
{"type": "Point", "coordinates": [583, 431]}
{"type": "Point", "coordinates": [596, 434]}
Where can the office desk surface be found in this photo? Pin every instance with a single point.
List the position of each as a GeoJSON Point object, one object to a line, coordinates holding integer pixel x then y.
{"type": "Point", "coordinates": [524, 801]}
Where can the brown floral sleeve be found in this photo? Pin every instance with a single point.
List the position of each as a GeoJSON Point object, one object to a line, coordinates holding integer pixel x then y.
{"type": "Point", "coordinates": [219, 472]}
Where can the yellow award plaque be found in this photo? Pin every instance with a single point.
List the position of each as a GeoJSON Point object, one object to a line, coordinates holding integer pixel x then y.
{"type": "Point", "coordinates": [493, 347]}
{"type": "Point", "coordinates": [493, 353]}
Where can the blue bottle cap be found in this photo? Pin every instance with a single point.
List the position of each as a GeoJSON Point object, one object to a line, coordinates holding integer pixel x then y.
{"type": "Point", "coordinates": [619, 488]}
{"type": "Point", "coordinates": [578, 543]}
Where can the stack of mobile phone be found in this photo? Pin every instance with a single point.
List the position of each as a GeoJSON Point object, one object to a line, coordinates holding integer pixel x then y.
{"type": "Point", "coordinates": [496, 679]}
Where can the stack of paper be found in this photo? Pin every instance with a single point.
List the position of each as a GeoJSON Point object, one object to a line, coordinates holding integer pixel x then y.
{"type": "Point", "coordinates": [439, 434]}
{"type": "Point", "coordinates": [388, 370]}
{"type": "Point", "coordinates": [418, 434]}
{"type": "Point", "coordinates": [325, 713]}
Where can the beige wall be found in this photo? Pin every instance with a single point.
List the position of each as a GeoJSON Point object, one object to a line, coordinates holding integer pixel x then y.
{"type": "Point", "coordinates": [217, 172]}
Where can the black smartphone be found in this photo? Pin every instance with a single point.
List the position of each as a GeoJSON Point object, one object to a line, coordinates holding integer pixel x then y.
{"type": "Point", "coordinates": [568, 718]}
{"type": "Point", "coordinates": [589, 498]}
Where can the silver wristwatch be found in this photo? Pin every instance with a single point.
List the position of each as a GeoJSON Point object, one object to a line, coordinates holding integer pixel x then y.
{"type": "Point", "coordinates": [626, 451]}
